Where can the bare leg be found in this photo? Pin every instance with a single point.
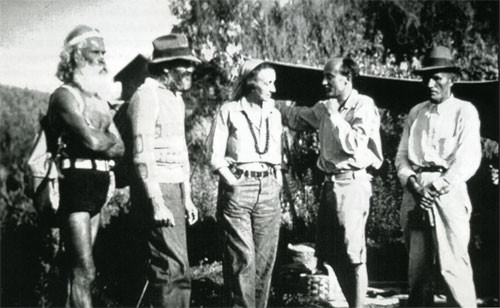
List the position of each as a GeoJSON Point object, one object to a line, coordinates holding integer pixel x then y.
{"type": "Point", "coordinates": [94, 227]}
{"type": "Point", "coordinates": [79, 248]}
{"type": "Point", "coordinates": [353, 280]}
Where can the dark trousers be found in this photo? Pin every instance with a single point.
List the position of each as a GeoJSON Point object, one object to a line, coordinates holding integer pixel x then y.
{"type": "Point", "coordinates": [250, 217]}
{"type": "Point", "coordinates": [168, 267]}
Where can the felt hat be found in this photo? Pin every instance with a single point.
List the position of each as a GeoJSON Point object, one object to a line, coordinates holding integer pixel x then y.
{"type": "Point", "coordinates": [171, 47]}
{"type": "Point", "coordinates": [437, 59]}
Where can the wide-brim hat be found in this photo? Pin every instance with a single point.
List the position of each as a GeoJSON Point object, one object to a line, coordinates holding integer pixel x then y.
{"type": "Point", "coordinates": [172, 47]}
{"type": "Point", "coordinates": [437, 59]}
{"type": "Point", "coordinates": [245, 70]}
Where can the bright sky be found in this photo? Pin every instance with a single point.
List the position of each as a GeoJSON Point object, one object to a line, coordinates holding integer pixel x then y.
{"type": "Point", "coordinates": [32, 33]}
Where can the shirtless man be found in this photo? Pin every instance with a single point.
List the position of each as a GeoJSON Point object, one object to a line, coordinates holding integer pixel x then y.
{"type": "Point", "coordinates": [88, 143]}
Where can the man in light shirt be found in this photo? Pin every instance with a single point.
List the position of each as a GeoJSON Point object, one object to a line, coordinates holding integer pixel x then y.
{"type": "Point", "coordinates": [162, 191]}
{"type": "Point", "coordinates": [439, 151]}
{"type": "Point", "coordinates": [348, 124]}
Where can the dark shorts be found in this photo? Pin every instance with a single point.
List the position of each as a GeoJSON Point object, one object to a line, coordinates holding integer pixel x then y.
{"type": "Point", "coordinates": [83, 190]}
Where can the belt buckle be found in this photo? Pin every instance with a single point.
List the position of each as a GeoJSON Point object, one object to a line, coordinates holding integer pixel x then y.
{"type": "Point", "coordinates": [349, 175]}
{"type": "Point", "coordinates": [346, 175]}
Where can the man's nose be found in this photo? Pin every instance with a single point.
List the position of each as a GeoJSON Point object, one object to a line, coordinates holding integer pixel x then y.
{"type": "Point", "coordinates": [431, 83]}
{"type": "Point", "coordinates": [272, 88]}
{"type": "Point", "coordinates": [324, 82]}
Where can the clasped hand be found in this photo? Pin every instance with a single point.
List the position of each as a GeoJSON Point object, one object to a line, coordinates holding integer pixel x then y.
{"type": "Point", "coordinates": [425, 195]}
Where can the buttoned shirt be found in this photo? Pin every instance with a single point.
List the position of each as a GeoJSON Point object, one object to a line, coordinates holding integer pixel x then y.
{"type": "Point", "coordinates": [160, 151]}
{"type": "Point", "coordinates": [231, 142]}
{"type": "Point", "coordinates": [443, 135]}
{"type": "Point", "coordinates": [349, 135]}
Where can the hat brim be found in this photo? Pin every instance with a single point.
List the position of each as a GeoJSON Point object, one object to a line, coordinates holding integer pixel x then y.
{"type": "Point", "coordinates": [434, 69]}
{"type": "Point", "coordinates": [168, 59]}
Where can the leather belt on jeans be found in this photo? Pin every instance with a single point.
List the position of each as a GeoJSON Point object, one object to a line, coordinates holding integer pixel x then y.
{"type": "Point", "coordinates": [430, 169]}
{"type": "Point", "coordinates": [91, 164]}
{"type": "Point", "coordinates": [344, 175]}
{"type": "Point", "coordinates": [253, 174]}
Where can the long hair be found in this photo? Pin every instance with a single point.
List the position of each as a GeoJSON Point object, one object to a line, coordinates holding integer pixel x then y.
{"type": "Point", "coordinates": [71, 56]}
{"type": "Point", "coordinates": [68, 62]}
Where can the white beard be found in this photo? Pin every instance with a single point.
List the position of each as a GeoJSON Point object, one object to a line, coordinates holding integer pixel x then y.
{"type": "Point", "coordinates": [94, 79]}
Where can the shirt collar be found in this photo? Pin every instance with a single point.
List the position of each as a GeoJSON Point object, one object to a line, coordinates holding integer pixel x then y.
{"type": "Point", "coordinates": [154, 83]}
{"type": "Point", "coordinates": [351, 100]}
{"type": "Point", "coordinates": [443, 107]}
{"type": "Point", "coordinates": [267, 106]}
{"type": "Point", "coordinates": [151, 82]}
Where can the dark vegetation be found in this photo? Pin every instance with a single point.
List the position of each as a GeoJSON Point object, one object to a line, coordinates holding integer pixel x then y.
{"type": "Point", "coordinates": [386, 37]}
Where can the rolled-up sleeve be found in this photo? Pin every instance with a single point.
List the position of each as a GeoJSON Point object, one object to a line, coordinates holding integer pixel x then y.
{"type": "Point", "coordinates": [297, 117]}
{"type": "Point", "coordinates": [217, 140]}
{"type": "Point", "coordinates": [143, 112]}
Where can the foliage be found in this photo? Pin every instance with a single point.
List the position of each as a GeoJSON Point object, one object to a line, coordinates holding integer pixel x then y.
{"type": "Point", "coordinates": [386, 37]}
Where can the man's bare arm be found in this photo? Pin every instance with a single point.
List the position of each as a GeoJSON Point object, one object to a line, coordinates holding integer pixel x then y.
{"type": "Point", "coordinates": [95, 140]}
{"type": "Point", "coordinates": [118, 149]}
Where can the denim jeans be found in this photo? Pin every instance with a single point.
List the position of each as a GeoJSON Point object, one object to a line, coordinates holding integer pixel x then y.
{"type": "Point", "coordinates": [250, 216]}
{"type": "Point", "coordinates": [168, 267]}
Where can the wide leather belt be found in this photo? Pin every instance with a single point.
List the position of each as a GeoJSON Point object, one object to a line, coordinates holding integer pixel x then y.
{"type": "Point", "coordinates": [430, 169]}
{"type": "Point", "coordinates": [345, 175]}
{"type": "Point", "coordinates": [90, 164]}
{"type": "Point", "coordinates": [253, 174]}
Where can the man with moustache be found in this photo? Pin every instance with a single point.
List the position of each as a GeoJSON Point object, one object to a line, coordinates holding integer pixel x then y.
{"type": "Point", "coordinates": [87, 141]}
{"type": "Point", "coordinates": [440, 149]}
{"type": "Point", "coordinates": [161, 191]}
{"type": "Point", "coordinates": [348, 124]}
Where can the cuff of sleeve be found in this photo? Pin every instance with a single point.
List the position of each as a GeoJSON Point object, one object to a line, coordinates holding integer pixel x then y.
{"type": "Point", "coordinates": [153, 189]}
{"type": "Point", "coordinates": [337, 118]}
{"type": "Point", "coordinates": [216, 167]}
{"type": "Point", "coordinates": [404, 175]}
{"type": "Point", "coordinates": [441, 184]}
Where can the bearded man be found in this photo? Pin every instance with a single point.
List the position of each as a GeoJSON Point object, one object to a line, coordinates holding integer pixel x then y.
{"type": "Point", "coordinates": [87, 142]}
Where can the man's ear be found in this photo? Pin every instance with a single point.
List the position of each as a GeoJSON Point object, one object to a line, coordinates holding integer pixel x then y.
{"type": "Point", "coordinates": [79, 58]}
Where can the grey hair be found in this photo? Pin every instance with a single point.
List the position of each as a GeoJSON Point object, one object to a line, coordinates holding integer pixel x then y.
{"type": "Point", "coordinates": [69, 60]}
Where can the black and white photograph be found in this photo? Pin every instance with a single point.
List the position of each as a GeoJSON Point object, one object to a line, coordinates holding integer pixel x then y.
{"type": "Point", "coordinates": [249, 153]}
